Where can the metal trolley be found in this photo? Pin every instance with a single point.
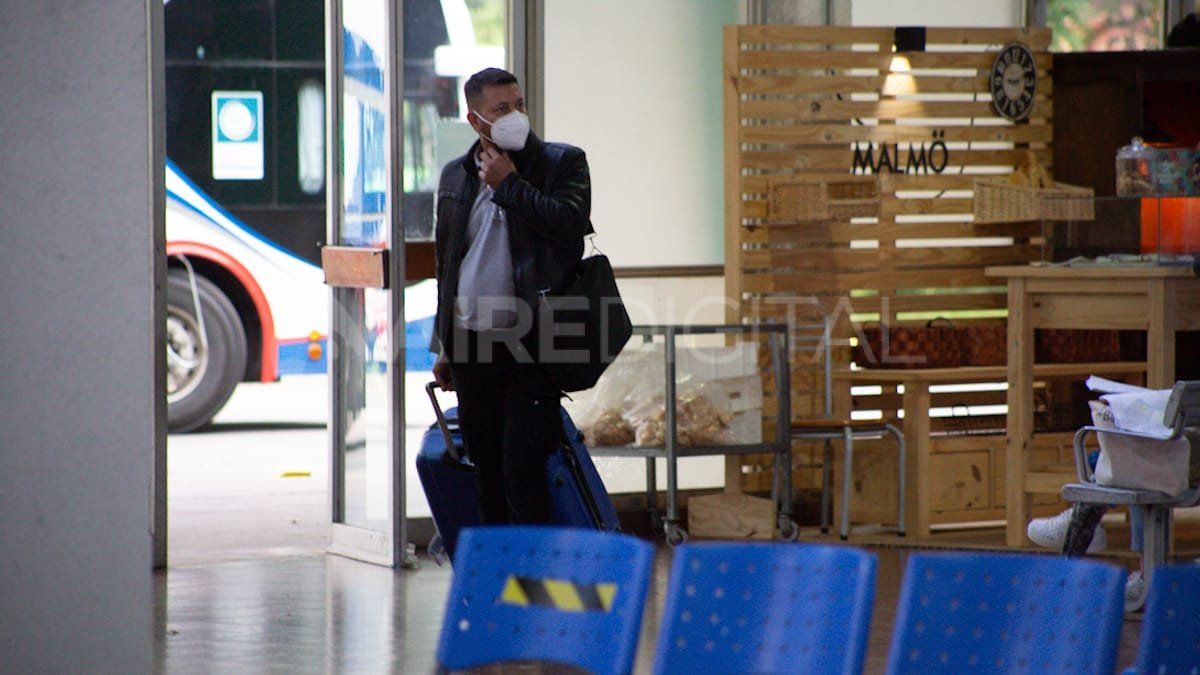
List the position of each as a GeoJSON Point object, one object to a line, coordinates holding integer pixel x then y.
{"type": "Point", "coordinates": [781, 486]}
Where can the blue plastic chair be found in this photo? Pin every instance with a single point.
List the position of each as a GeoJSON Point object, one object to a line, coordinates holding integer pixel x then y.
{"type": "Point", "coordinates": [560, 595]}
{"type": "Point", "coordinates": [1003, 613]}
{"type": "Point", "coordinates": [766, 608]}
{"type": "Point", "coordinates": [1171, 627]}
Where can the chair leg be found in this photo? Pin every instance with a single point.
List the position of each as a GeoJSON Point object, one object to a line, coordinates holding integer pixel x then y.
{"type": "Point", "coordinates": [826, 485]}
{"type": "Point", "coordinates": [1154, 552]}
{"type": "Point", "coordinates": [1168, 532]}
{"type": "Point", "coordinates": [847, 474]}
{"type": "Point", "coordinates": [1136, 518]}
{"type": "Point", "coordinates": [901, 475]}
{"type": "Point", "coordinates": [777, 477]}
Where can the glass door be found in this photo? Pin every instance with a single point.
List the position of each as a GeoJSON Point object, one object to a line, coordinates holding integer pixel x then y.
{"type": "Point", "coordinates": [363, 266]}
{"type": "Point", "coordinates": [446, 41]}
{"type": "Point", "coordinates": [395, 116]}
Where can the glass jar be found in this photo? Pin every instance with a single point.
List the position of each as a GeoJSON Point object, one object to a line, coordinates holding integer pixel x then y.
{"type": "Point", "coordinates": [1133, 169]}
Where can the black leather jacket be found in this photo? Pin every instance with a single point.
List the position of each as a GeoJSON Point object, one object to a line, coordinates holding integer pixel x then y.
{"type": "Point", "coordinates": [548, 203]}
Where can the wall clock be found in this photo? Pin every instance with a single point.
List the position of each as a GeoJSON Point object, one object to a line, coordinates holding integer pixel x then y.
{"type": "Point", "coordinates": [1013, 82]}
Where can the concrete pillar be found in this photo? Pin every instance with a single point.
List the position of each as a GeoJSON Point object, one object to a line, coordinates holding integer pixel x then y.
{"type": "Point", "coordinates": [81, 384]}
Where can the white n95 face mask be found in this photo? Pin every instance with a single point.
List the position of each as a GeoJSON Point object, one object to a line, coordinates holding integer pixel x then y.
{"type": "Point", "coordinates": [510, 131]}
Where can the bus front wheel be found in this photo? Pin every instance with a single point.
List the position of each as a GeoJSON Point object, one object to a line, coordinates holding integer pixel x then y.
{"type": "Point", "coordinates": [206, 351]}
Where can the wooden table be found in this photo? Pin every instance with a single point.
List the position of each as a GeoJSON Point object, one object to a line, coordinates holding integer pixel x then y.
{"type": "Point", "coordinates": [1158, 300]}
{"type": "Point", "coordinates": [916, 423]}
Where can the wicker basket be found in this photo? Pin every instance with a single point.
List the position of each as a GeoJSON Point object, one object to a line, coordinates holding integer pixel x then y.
{"type": "Point", "coordinates": [985, 345]}
{"type": "Point", "coordinates": [996, 201]}
{"type": "Point", "coordinates": [823, 199]}
{"type": "Point", "coordinates": [1071, 345]}
{"type": "Point", "coordinates": [909, 347]}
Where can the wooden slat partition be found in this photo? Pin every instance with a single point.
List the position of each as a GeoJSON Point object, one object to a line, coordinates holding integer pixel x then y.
{"type": "Point", "coordinates": [801, 106]}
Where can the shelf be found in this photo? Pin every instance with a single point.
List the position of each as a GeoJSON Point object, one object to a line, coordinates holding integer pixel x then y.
{"type": "Point", "coordinates": [1035, 271]}
{"type": "Point", "coordinates": [985, 373]}
{"type": "Point", "coordinates": [684, 451]}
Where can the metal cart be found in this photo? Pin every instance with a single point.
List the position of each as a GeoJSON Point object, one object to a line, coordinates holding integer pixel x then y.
{"type": "Point", "coordinates": [781, 447]}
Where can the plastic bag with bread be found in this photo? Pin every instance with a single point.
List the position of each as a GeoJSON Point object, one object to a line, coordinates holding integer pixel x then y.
{"type": "Point", "coordinates": [702, 417]}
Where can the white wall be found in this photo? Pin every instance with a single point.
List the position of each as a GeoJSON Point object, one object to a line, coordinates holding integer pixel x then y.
{"type": "Point", "coordinates": [77, 349]}
{"type": "Point", "coordinates": [680, 300]}
{"type": "Point", "coordinates": [956, 13]}
{"type": "Point", "coordinates": [637, 85]}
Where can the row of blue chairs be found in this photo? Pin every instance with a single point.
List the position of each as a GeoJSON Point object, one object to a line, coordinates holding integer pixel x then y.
{"type": "Point", "coordinates": [576, 597]}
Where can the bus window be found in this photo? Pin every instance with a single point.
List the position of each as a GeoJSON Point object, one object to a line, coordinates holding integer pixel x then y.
{"type": "Point", "coordinates": [310, 136]}
{"type": "Point", "coordinates": [221, 30]}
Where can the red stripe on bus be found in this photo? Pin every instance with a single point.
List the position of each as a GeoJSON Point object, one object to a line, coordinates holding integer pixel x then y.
{"type": "Point", "coordinates": [270, 348]}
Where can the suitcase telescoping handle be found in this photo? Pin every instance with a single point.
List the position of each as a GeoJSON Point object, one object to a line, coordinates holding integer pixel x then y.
{"type": "Point", "coordinates": [451, 448]}
{"type": "Point", "coordinates": [585, 488]}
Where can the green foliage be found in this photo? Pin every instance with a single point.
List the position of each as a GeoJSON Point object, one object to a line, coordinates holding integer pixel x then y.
{"type": "Point", "coordinates": [1105, 25]}
{"type": "Point", "coordinates": [487, 16]}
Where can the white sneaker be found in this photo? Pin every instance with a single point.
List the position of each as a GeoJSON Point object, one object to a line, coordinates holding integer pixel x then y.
{"type": "Point", "coordinates": [1135, 585]}
{"type": "Point", "coordinates": [1052, 532]}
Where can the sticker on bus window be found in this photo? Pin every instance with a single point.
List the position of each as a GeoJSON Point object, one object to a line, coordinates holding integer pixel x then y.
{"type": "Point", "coordinates": [237, 135]}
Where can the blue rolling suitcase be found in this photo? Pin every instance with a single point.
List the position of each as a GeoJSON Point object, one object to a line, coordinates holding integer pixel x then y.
{"type": "Point", "coordinates": [577, 495]}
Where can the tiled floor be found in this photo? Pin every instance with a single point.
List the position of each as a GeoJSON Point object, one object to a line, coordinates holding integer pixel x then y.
{"type": "Point", "coordinates": [324, 614]}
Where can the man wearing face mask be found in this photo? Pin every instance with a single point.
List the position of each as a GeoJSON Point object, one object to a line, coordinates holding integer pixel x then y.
{"type": "Point", "coordinates": [512, 214]}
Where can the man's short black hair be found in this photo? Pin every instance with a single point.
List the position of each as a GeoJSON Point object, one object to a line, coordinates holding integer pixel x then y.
{"type": "Point", "coordinates": [488, 77]}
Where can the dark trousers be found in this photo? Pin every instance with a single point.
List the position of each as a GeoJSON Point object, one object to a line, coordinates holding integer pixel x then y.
{"type": "Point", "coordinates": [1085, 518]}
{"type": "Point", "coordinates": [510, 425]}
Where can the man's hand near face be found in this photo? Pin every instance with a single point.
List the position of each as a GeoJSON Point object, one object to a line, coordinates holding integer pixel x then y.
{"type": "Point", "coordinates": [494, 166]}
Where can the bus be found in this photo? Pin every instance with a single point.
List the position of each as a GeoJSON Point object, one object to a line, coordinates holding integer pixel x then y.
{"type": "Point", "coordinates": [245, 179]}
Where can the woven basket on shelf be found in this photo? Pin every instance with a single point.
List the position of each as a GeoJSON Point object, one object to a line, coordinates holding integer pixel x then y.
{"type": "Point", "coordinates": [909, 347]}
{"type": "Point", "coordinates": [823, 199]}
{"type": "Point", "coordinates": [985, 345]}
{"type": "Point", "coordinates": [1070, 345]}
{"type": "Point", "coordinates": [996, 201]}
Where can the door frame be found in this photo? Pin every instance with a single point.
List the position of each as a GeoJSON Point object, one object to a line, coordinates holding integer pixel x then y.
{"type": "Point", "coordinates": [388, 548]}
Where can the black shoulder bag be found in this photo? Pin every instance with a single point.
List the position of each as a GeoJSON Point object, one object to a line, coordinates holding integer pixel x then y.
{"type": "Point", "coordinates": [583, 327]}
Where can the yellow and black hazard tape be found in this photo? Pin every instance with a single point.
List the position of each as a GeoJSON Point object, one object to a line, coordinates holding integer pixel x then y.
{"type": "Point", "coordinates": [559, 594]}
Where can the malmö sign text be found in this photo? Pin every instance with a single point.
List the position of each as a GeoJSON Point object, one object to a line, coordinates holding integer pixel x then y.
{"type": "Point", "coordinates": [918, 158]}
